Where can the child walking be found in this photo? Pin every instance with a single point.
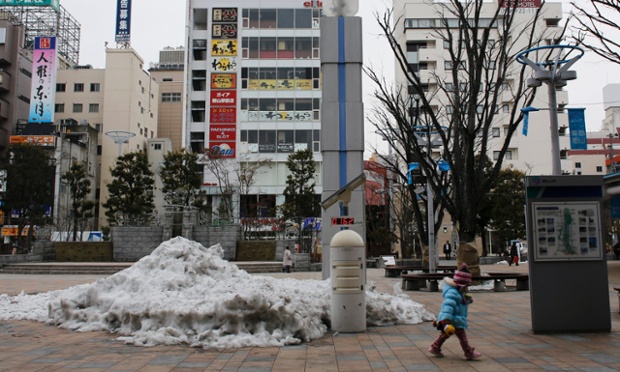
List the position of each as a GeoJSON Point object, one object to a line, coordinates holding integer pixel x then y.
{"type": "Point", "coordinates": [452, 317]}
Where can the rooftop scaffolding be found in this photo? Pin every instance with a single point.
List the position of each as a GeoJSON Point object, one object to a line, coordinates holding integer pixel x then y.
{"type": "Point", "coordinates": [47, 21]}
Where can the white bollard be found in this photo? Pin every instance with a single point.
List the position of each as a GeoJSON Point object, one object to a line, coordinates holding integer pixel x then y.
{"type": "Point", "coordinates": [348, 279]}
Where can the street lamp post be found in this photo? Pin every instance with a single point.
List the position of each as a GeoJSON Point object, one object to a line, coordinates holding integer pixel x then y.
{"type": "Point", "coordinates": [430, 220]}
{"type": "Point", "coordinates": [390, 191]}
{"type": "Point", "coordinates": [554, 72]}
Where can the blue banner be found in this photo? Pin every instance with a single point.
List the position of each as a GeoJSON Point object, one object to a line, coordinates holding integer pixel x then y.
{"type": "Point", "coordinates": [577, 126]}
{"type": "Point", "coordinates": [123, 21]}
{"type": "Point", "coordinates": [526, 118]}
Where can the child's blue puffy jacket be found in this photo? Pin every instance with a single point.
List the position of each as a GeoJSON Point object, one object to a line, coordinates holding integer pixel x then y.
{"type": "Point", "coordinates": [453, 307]}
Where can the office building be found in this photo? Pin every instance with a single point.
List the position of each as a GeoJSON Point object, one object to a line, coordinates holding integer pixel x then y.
{"type": "Point", "coordinates": [254, 92]}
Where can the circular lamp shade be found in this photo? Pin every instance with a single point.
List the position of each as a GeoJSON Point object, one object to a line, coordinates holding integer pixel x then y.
{"type": "Point", "coordinates": [340, 8]}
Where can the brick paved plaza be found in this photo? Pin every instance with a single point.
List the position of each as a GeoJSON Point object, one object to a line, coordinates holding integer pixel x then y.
{"type": "Point", "coordinates": [500, 328]}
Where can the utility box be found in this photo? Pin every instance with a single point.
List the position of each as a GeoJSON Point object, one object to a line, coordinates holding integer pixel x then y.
{"type": "Point", "coordinates": [348, 280]}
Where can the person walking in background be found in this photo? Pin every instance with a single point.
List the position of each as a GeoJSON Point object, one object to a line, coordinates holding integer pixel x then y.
{"type": "Point", "coordinates": [447, 250]}
{"type": "Point", "coordinates": [452, 318]}
{"type": "Point", "coordinates": [287, 260]}
{"type": "Point", "coordinates": [514, 255]}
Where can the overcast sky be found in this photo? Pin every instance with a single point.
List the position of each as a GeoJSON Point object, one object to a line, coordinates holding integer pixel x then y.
{"type": "Point", "coordinates": [158, 23]}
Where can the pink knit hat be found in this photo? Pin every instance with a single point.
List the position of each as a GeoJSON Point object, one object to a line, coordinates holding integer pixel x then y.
{"type": "Point", "coordinates": [462, 276]}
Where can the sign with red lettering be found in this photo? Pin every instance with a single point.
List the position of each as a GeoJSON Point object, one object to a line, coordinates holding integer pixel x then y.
{"type": "Point", "coordinates": [223, 133]}
{"type": "Point", "coordinates": [221, 98]}
{"type": "Point", "coordinates": [225, 14]}
{"type": "Point", "coordinates": [520, 4]}
{"type": "Point", "coordinates": [313, 4]}
{"type": "Point", "coordinates": [223, 115]}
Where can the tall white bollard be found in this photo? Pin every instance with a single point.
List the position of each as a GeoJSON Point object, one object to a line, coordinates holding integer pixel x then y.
{"type": "Point", "coordinates": [348, 278]}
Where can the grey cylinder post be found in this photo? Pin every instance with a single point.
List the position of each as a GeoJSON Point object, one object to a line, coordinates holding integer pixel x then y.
{"type": "Point", "coordinates": [348, 279]}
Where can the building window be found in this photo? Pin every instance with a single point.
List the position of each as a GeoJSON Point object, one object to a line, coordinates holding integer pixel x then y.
{"type": "Point", "coordinates": [157, 146]}
{"type": "Point", "coordinates": [199, 80]}
{"type": "Point", "coordinates": [78, 87]}
{"type": "Point", "coordinates": [93, 107]}
{"type": "Point", "coordinates": [495, 155]}
{"type": "Point", "coordinates": [599, 169]}
{"type": "Point", "coordinates": [198, 111]}
{"type": "Point", "coordinates": [77, 107]}
{"type": "Point", "coordinates": [578, 165]}
{"type": "Point", "coordinates": [59, 107]}
{"type": "Point", "coordinates": [61, 87]}
{"type": "Point", "coordinates": [201, 17]}
{"type": "Point", "coordinates": [99, 127]}
{"type": "Point", "coordinates": [197, 141]}
{"type": "Point", "coordinates": [171, 97]}
{"type": "Point", "coordinates": [508, 155]}
{"type": "Point", "coordinates": [495, 132]}
{"type": "Point", "coordinates": [447, 65]}
{"type": "Point", "coordinates": [95, 87]}
{"type": "Point", "coordinates": [200, 49]}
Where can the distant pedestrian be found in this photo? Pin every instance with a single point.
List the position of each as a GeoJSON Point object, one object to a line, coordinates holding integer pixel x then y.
{"type": "Point", "coordinates": [514, 255]}
{"type": "Point", "coordinates": [452, 318]}
{"type": "Point", "coordinates": [287, 260]}
{"type": "Point", "coordinates": [447, 250]}
{"type": "Point", "coordinates": [617, 250]}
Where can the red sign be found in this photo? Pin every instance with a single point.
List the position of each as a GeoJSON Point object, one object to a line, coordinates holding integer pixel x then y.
{"type": "Point", "coordinates": [225, 149]}
{"type": "Point", "coordinates": [224, 98]}
{"type": "Point", "coordinates": [312, 4]}
{"type": "Point", "coordinates": [222, 133]}
{"type": "Point", "coordinates": [223, 115]}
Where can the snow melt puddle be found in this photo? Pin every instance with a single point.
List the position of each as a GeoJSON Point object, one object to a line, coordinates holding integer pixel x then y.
{"type": "Point", "coordinates": [184, 293]}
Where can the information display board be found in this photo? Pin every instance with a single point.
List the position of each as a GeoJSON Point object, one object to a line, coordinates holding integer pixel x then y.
{"type": "Point", "coordinates": [567, 231]}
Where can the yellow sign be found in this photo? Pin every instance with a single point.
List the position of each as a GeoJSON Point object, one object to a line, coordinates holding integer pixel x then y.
{"type": "Point", "coordinates": [283, 84]}
{"type": "Point", "coordinates": [12, 230]}
{"type": "Point", "coordinates": [223, 48]}
{"type": "Point", "coordinates": [48, 141]}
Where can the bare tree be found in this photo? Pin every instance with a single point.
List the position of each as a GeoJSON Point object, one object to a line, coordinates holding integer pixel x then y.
{"type": "Point", "coordinates": [459, 109]}
{"type": "Point", "coordinates": [235, 178]}
{"type": "Point", "coordinates": [597, 28]}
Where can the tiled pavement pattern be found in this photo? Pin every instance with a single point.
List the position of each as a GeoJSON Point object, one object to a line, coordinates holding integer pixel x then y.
{"type": "Point", "coordinates": [500, 328]}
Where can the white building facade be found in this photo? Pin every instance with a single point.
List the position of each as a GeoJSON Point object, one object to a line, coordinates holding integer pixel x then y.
{"type": "Point", "coordinates": [253, 93]}
{"type": "Point", "coordinates": [417, 21]}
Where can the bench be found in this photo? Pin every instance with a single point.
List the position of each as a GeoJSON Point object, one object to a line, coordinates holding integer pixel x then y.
{"type": "Point", "coordinates": [396, 271]}
{"type": "Point", "coordinates": [418, 280]}
{"type": "Point", "coordinates": [617, 289]}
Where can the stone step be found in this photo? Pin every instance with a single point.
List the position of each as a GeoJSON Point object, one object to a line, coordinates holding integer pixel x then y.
{"type": "Point", "coordinates": [109, 268]}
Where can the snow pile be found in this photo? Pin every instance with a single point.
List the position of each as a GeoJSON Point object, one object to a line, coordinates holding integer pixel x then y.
{"type": "Point", "coordinates": [184, 293]}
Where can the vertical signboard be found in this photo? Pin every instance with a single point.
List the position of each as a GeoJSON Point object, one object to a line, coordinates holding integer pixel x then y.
{"type": "Point", "coordinates": [223, 87]}
{"type": "Point", "coordinates": [123, 21]}
{"type": "Point", "coordinates": [43, 80]}
{"type": "Point", "coordinates": [577, 126]}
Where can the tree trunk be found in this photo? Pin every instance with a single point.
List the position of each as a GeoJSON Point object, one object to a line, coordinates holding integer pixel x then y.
{"type": "Point", "coordinates": [468, 254]}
